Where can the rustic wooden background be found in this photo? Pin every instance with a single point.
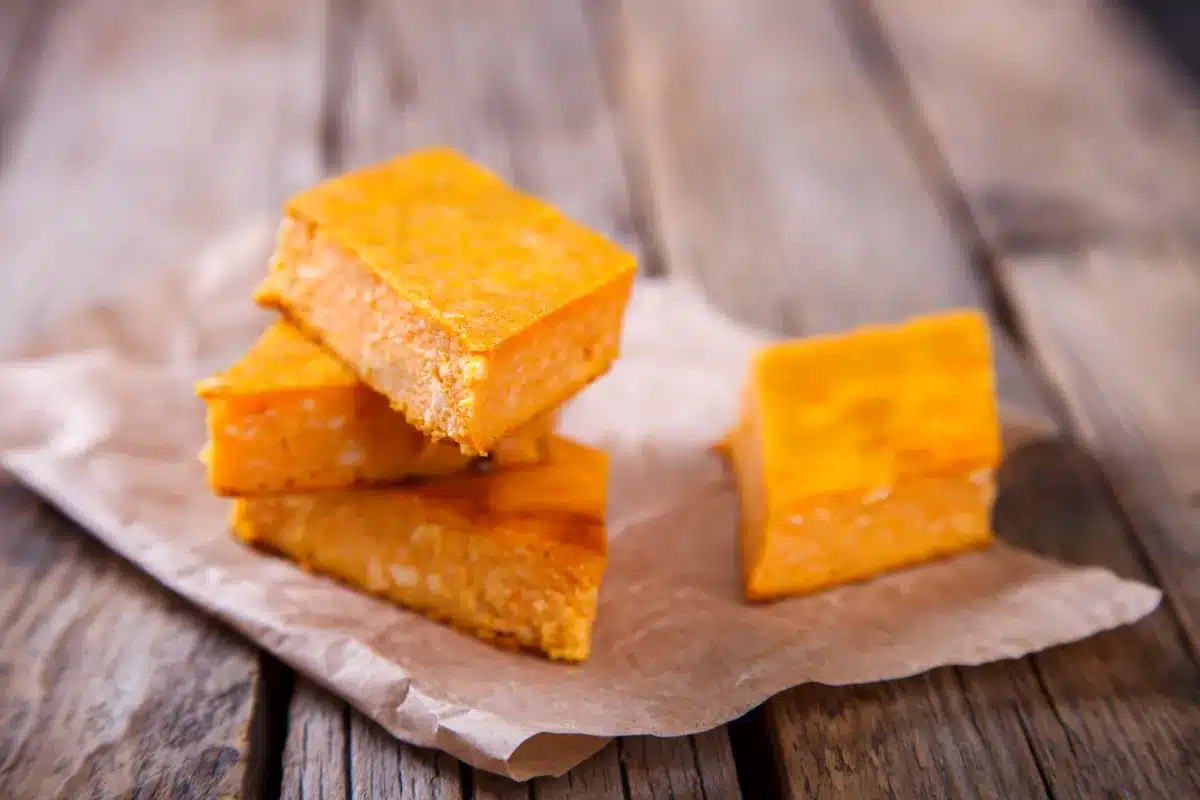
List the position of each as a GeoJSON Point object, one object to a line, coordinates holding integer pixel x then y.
{"type": "Point", "coordinates": [812, 163]}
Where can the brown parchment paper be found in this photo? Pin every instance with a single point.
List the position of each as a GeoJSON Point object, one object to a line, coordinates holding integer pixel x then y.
{"type": "Point", "coordinates": [99, 416]}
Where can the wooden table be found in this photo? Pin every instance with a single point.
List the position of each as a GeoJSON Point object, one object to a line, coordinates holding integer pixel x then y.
{"type": "Point", "coordinates": [813, 164]}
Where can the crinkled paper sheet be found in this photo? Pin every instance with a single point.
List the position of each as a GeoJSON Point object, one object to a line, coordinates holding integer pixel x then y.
{"type": "Point", "coordinates": [100, 418]}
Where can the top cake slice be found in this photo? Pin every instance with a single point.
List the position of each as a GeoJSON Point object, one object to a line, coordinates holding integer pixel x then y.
{"type": "Point", "coordinates": [472, 307]}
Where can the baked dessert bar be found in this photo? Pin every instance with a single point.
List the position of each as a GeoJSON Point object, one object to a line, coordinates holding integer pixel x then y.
{"type": "Point", "coordinates": [473, 307]}
{"type": "Point", "coordinates": [289, 417]}
{"type": "Point", "coordinates": [514, 556]}
{"type": "Point", "coordinates": [865, 452]}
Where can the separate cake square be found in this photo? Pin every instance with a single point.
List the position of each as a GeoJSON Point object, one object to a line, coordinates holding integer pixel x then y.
{"type": "Point", "coordinates": [865, 452]}
{"type": "Point", "coordinates": [514, 556]}
{"type": "Point", "coordinates": [289, 417]}
{"type": "Point", "coordinates": [472, 307]}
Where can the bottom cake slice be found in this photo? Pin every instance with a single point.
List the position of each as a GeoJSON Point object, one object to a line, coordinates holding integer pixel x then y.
{"type": "Point", "coordinates": [514, 556]}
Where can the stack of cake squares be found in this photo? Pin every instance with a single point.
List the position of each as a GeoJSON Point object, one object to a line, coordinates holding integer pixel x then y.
{"type": "Point", "coordinates": [395, 427]}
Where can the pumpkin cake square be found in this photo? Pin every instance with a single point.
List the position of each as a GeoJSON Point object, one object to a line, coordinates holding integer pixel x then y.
{"type": "Point", "coordinates": [471, 306]}
{"type": "Point", "coordinates": [289, 417]}
{"type": "Point", "coordinates": [860, 453]}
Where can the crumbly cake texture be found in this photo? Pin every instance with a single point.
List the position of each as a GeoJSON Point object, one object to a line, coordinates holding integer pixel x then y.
{"type": "Point", "coordinates": [471, 306]}
{"type": "Point", "coordinates": [512, 556]}
{"type": "Point", "coordinates": [861, 453]}
{"type": "Point", "coordinates": [289, 417]}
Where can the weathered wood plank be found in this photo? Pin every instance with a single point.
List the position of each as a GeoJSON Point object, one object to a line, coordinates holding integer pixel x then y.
{"type": "Point", "coordinates": [1127, 701]}
{"type": "Point", "coordinates": [659, 768]}
{"type": "Point", "coordinates": [152, 127]}
{"type": "Point", "coordinates": [915, 738]}
{"type": "Point", "coordinates": [714, 760]}
{"type": "Point", "coordinates": [598, 778]}
{"type": "Point", "coordinates": [1118, 331]}
{"type": "Point", "coordinates": [334, 753]}
{"type": "Point", "coordinates": [111, 686]}
{"type": "Point", "coordinates": [314, 755]}
{"type": "Point", "coordinates": [494, 787]}
{"type": "Point", "coordinates": [688, 767]}
{"type": "Point", "coordinates": [380, 767]}
{"type": "Point", "coordinates": [148, 128]}
{"type": "Point", "coordinates": [770, 161]}
{"type": "Point", "coordinates": [778, 180]}
{"type": "Point", "coordinates": [511, 84]}
{"type": "Point", "coordinates": [637, 768]}
{"type": "Point", "coordinates": [1057, 121]}
{"type": "Point", "coordinates": [14, 22]}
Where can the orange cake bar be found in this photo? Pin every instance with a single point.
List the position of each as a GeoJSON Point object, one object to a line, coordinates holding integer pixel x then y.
{"type": "Point", "coordinates": [514, 556]}
{"type": "Point", "coordinates": [865, 452]}
{"type": "Point", "coordinates": [472, 307]}
{"type": "Point", "coordinates": [289, 417]}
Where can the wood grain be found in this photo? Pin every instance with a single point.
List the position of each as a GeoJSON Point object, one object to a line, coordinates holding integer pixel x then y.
{"type": "Point", "coordinates": [1126, 704]}
{"type": "Point", "coordinates": [495, 787]}
{"type": "Point", "coordinates": [915, 738]}
{"type": "Point", "coordinates": [314, 754]}
{"type": "Point", "coordinates": [334, 753]}
{"type": "Point", "coordinates": [111, 686]}
{"type": "Point", "coordinates": [142, 131]}
{"type": "Point", "coordinates": [1118, 330]}
{"type": "Point", "coordinates": [1057, 120]}
{"type": "Point", "coordinates": [693, 767]}
{"type": "Point", "coordinates": [599, 777]}
{"type": "Point", "coordinates": [637, 768]}
{"type": "Point", "coordinates": [151, 128]}
{"type": "Point", "coordinates": [380, 768]}
{"type": "Point", "coordinates": [779, 182]}
{"type": "Point", "coordinates": [772, 164]}
{"type": "Point", "coordinates": [512, 84]}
